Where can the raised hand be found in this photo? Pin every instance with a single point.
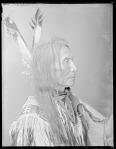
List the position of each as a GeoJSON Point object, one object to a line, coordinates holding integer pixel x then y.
{"type": "Point", "coordinates": [37, 19]}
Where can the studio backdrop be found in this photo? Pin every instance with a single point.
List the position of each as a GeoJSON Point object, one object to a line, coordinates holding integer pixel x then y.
{"type": "Point", "coordinates": [87, 28]}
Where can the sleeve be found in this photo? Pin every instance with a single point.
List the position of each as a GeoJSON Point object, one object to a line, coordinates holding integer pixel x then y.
{"type": "Point", "coordinates": [29, 130]}
{"type": "Point", "coordinates": [100, 128]}
{"type": "Point", "coordinates": [109, 131]}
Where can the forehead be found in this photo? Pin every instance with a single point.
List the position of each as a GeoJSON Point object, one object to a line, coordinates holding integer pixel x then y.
{"type": "Point", "coordinates": [65, 52]}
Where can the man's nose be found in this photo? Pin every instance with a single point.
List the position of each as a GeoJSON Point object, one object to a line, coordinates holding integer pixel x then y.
{"type": "Point", "coordinates": [73, 67]}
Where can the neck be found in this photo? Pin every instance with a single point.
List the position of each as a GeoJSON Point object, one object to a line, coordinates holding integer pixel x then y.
{"type": "Point", "coordinates": [60, 88]}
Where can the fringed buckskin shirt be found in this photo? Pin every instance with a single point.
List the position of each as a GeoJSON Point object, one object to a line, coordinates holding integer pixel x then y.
{"type": "Point", "coordinates": [32, 129]}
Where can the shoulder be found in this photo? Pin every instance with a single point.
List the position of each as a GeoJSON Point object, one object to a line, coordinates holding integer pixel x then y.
{"type": "Point", "coordinates": [31, 109]}
{"type": "Point", "coordinates": [30, 121]}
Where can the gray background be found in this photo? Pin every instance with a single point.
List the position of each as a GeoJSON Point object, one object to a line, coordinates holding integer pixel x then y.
{"type": "Point", "coordinates": [88, 29]}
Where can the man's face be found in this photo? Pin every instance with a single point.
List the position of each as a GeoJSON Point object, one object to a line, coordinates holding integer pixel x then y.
{"type": "Point", "coordinates": [66, 76]}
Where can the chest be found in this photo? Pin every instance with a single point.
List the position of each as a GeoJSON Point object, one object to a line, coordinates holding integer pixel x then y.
{"type": "Point", "coordinates": [71, 124]}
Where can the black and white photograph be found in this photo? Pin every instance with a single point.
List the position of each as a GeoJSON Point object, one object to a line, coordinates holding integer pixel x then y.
{"type": "Point", "coordinates": [57, 74]}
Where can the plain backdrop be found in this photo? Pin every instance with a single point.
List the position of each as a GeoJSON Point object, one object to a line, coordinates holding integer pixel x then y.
{"type": "Point", "coordinates": [88, 29]}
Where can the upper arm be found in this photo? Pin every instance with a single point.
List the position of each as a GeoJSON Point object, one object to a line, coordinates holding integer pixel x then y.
{"type": "Point", "coordinates": [29, 130]}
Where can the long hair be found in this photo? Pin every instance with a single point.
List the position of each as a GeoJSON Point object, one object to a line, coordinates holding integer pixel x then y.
{"type": "Point", "coordinates": [44, 81]}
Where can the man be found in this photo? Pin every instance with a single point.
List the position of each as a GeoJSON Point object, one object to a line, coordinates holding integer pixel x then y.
{"type": "Point", "coordinates": [54, 116]}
